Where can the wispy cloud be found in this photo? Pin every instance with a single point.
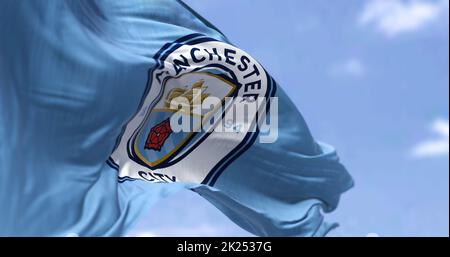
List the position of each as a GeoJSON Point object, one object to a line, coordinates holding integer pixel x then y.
{"type": "Point", "coordinates": [144, 234]}
{"type": "Point", "coordinates": [352, 67]}
{"type": "Point", "coordinates": [200, 230]}
{"type": "Point", "coordinates": [437, 146]}
{"type": "Point", "coordinates": [393, 17]}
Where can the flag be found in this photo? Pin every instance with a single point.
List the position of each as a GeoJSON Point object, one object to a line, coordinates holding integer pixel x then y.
{"type": "Point", "coordinates": [107, 107]}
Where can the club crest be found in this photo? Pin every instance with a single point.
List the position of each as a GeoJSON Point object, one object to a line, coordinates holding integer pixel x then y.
{"type": "Point", "coordinates": [189, 72]}
{"type": "Point", "coordinates": [155, 144]}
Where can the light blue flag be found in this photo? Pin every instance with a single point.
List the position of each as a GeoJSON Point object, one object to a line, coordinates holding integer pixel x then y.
{"type": "Point", "coordinates": [87, 134]}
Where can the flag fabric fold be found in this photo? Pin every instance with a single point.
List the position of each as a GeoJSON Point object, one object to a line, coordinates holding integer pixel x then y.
{"type": "Point", "coordinates": [86, 139]}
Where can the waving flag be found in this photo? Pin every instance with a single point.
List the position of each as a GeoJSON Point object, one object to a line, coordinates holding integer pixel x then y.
{"type": "Point", "coordinates": [108, 106]}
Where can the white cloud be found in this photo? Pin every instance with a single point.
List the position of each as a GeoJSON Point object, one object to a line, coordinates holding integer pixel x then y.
{"type": "Point", "coordinates": [144, 234]}
{"type": "Point", "coordinates": [393, 17]}
{"type": "Point", "coordinates": [372, 235]}
{"type": "Point", "coordinates": [72, 235]}
{"type": "Point", "coordinates": [200, 230]}
{"type": "Point", "coordinates": [439, 145]}
{"type": "Point", "coordinates": [352, 67]}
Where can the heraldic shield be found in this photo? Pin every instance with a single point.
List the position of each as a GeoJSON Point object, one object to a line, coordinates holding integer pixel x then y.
{"type": "Point", "coordinates": [155, 143]}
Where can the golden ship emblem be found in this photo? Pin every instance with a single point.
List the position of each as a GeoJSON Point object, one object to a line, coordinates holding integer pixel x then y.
{"type": "Point", "coordinates": [194, 94]}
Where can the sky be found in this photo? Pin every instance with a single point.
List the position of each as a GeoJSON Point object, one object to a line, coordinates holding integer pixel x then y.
{"type": "Point", "coordinates": [371, 77]}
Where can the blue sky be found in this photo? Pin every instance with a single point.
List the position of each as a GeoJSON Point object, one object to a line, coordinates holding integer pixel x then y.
{"type": "Point", "coordinates": [371, 78]}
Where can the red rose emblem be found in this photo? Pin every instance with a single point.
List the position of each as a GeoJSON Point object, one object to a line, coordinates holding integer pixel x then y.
{"type": "Point", "coordinates": [158, 136]}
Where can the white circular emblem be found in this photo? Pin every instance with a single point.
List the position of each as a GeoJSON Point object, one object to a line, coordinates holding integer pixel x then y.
{"type": "Point", "coordinates": [198, 69]}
